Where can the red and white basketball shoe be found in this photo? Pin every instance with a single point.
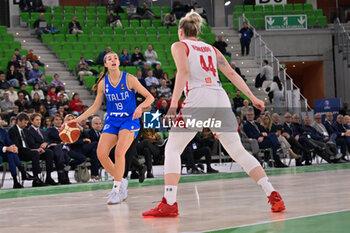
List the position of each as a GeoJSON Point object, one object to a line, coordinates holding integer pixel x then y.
{"type": "Point", "coordinates": [162, 210]}
{"type": "Point", "coordinates": [277, 205]}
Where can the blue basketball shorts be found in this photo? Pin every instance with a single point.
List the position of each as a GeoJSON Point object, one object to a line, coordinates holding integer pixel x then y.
{"type": "Point", "coordinates": [114, 124]}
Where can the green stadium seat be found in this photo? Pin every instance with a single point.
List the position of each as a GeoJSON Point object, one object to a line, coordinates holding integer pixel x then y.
{"type": "Point", "coordinates": [118, 38]}
{"type": "Point", "coordinates": [89, 81]}
{"type": "Point", "coordinates": [68, 10]}
{"type": "Point", "coordinates": [129, 37]}
{"type": "Point", "coordinates": [83, 38]}
{"type": "Point", "coordinates": [48, 78]}
{"type": "Point", "coordinates": [152, 37]}
{"type": "Point", "coordinates": [311, 21]}
{"type": "Point", "coordinates": [173, 30]}
{"type": "Point", "coordinates": [268, 8]}
{"type": "Point", "coordinates": [308, 6]}
{"type": "Point", "coordinates": [67, 47]}
{"type": "Point", "coordinates": [55, 47]}
{"type": "Point", "coordinates": [108, 30]}
{"type": "Point", "coordinates": [102, 17]}
{"type": "Point", "coordinates": [322, 21]}
{"type": "Point", "coordinates": [90, 10]}
{"type": "Point", "coordinates": [23, 52]}
{"type": "Point", "coordinates": [75, 54]}
{"type": "Point", "coordinates": [79, 10]}
{"type": "Point", "coordinates": [130, 31]}
{"type": "Point", "coordinates": [59, 37]}
{"type": "Point", "coordinates": [163, 37]}
{"type": "Point", "coordinates": [78, 46]}
{"type": "Point", "coordinates": [260, 23]}
{"type": "Point", "coordinates": [157, 23]}
{"type": "Point", "coordinates": [309, 12]}
{"type": "Point", "coordinates": [100, 23]}
{"type": "Point", "coordinates": [56, 23]}
{"type": "Point", "coordinates": [228, 87]}
{"type": "Point", "coordinates": [58, 16]}
{"type": "Point", "coordinates": [298, 6]}
{"type": "Point", "coordinates": [96, 30]}
{"type": "Point", "coordinates": [156, 10]}
{"type": "Point", "coordinates": [25, 17]}
{"type": "Point", "coordinates": [119, 31]}
{"type": "Point", "coordinates": [318, 12]}
{"type": "Point", "coordinates": [145, 23]}
{"type": "Point", "coordinates": [90, 23]}
{"type": "Point", "coordinates": [95, 38]}
{"type": "Point", "coordinates": [7, 37]}
{"type": "Point", "coordinates": [210, 38]}
{"type": "Point", "coordinates": [151, 30]}
{"type": "Point", "coordinates": [258, 8]}
{"type": "Point", "coordinates": [140, 30]}
{"type": "Point", "coordinates": [248, 8]}
{"type": "Point", "coordinates": [141, 37]}
{"type": "Point", "coordinates": [47, 38]}
{"type": "Point", "coordinates": [71, 38]}
{"type": "Point", "coordinates": [288, 8]}
{"type": "Point", "coordinates": [107, 38]}
{"type": "Point", "coordinates": [239, 8]}
{"type": "Point", "coordinates": [124, 45]}
{"type": "Point", "coordinates": [162, 30]}
{"type": "Point", "coordinates": [58, 9]}
{"type": "Point", "coordinates": [14, 45]}
{"type": "Point", "coordinates": [101, 10]}
{"type": "Point", "coordinates": [275, 12]}
{"type": "Point", "coordinates": [89, 55]}
{"type": "Point", "coordinates": [91, 17]}
{"type": "Point", "coordinates": [165, 10]}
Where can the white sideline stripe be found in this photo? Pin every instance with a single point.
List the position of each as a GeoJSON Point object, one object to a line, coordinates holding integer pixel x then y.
{"type": "Point", "coordinates": [264, 222]}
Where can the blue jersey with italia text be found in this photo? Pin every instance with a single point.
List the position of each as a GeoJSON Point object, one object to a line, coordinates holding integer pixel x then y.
{"type": "Point", "coordinates": [120, 100]}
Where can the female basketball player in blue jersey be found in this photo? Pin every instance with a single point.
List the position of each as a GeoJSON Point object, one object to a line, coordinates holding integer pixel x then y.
{"type": "Point", "coordinates": [121, 123]}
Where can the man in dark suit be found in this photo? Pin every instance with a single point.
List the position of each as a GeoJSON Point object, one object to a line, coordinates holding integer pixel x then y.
{"type": "Point", "coordinates": [39, 140]}
{"type": "Point", "coordinates": [20, 137]}
{"type": "Point", "coordinates": [53, 137]}
{"type": "Point", "coordinates": [254, 130]}
{"type": "Point", "coordinates": [343, 134]}
{"type": "Point", "coordinates": [9, 152]}
{"type": "Point", "coordinates": [332, 129]}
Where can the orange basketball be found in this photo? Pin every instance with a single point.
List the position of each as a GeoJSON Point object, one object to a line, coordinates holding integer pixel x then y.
{"type": "Point", "coordinates": [69, 133]}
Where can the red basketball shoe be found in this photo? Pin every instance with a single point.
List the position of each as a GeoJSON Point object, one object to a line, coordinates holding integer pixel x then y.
{"type": "Point", "coordinates": [162, 210]}
{"type": "Point", "coordinates": [277, 205]}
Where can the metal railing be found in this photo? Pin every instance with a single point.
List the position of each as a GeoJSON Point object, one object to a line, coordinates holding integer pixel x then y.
{"type": "Point", "coordinates": [294, 101]}
{"type": "Point", "coordinates": [342, 40]}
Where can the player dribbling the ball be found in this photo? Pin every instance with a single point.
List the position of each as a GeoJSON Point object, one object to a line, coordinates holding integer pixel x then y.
{"type": "Point", "coordinates": [197, 64]}
{"type": "Point", "coordinates": [121, 123]}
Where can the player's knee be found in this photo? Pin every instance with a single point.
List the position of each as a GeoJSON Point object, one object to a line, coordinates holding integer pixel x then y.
{"type": "Point", "coordinates": [102, 154]}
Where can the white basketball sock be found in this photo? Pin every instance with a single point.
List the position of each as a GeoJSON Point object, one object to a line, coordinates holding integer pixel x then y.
{"type": "Point", "coordinates": [116, 185]}
{"type": "Point", "coordinates": [170, 194]}
{"type": "Point", "coordinates": [266, 185]}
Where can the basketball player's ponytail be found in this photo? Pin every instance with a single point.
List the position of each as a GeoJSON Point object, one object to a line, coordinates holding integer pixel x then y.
{"type": "Point", "coordinates": [94, 87]}
{"type": "Point", "coordinates": [191, 24]}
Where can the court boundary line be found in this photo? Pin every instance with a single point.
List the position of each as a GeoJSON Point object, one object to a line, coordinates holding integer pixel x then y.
{"type": "Point", "coordinates": [86, 187]}
{"type": "Point", "coordinates": [279, 220]}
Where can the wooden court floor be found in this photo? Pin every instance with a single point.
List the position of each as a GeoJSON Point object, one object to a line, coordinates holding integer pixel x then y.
{"type": "Point", "coordinates": [227, 205]}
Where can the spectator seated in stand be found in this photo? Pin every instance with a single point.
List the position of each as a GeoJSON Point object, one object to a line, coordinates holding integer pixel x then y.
{"type": "Point", "coordinates": [238, 101]}
{"type": "Point", "coordinates": [18, 56]}
{"type": "Point", "coordinates": [74, 27]}
{"type": "Point", "coordinates": [22, 88]}
{"type": "Point", "coordinates": [113, 20]}
{"type": "Point", "coordinates": [254, 130]}
{"type": "Point", "coordinates": [13, 62]}
{"type": "Point", "coordinates": [76, 105]}
{"type": "Point", "coordinates": [164, 90]}
{"type": "Point", "coordinates": [12, 93]}
{"type": "Point", "coordinates": [114, 5]}
{"type": "Point", "coordinates": [151, 56]}
{"type": "Point", "coordinates": [32, 58]}
{"type": "Point", "coordinates": [170, 19]}
{"type": "Point", "coordinates": [6, 105]}
{"type": "Point", "coordinates": [221, 45]}
{"type": "Point", "coordinates": [144, 11]}
{"type": "Point", "coordinates": [83, 69]}
{"type": "Point", "coordinates": [125, 58]}
{"type": "Point", "coordinates": [24, 62]}
{"type": "Point", "coordinates": [101, 55]}
{"type": "Point", "coordinates": [200, 11]}
{"type": "Point", "coordinates": [62, 101]}
{"type": "Point", "coordinates": [41, 26]}
{"type": "Point", "coordinates": [137, 58]}
{"type": "Point", "coordinates": [22, 103]}
{"type": "Point", "coordinates": [140, 78]}
{"type": "Point", "coordinates": [52, 93]}
{"type": "Point", "coordinates": [158, 72]}
{"type": "Point", "coordinates": [151, 80]}
{"type": "Point", "coordinates": [22, 75]}
{"type": "Point", "coordinates": [34, 74]}
{"type": "Point", "coordinates": [36, 89]}
{"type": "Point", "coordinates": [11, 76]}
{"type": "Point", "coordinates": [131, 11]}
{"type": "Point", "coordinates": [57, 83]}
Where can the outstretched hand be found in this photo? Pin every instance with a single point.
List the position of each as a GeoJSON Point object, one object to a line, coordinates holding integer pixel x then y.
{"type": "Point", "coordinates": [259, 104]}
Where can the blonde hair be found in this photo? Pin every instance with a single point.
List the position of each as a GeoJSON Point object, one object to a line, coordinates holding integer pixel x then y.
{"type": "Point", "coordinates": [191, 24]}
{"type": "Point", "coordinates": [268, 125]}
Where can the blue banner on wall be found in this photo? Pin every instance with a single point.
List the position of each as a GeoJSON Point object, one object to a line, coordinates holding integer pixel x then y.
{"type": "Point", "coordinates": [323, 106]}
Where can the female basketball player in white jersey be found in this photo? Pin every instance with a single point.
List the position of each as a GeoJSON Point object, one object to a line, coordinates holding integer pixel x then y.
{"type": "Point", "coordinates": [197, 64]}
{"type": "Point", "coordinates": [121, 123]}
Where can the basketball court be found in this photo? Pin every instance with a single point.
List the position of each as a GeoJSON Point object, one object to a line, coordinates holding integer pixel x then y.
{"type": "Point", "coordinates": [317, 200]}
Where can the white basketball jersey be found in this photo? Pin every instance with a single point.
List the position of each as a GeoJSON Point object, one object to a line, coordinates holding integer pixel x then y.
{"type": "Point", "coordinates": [202, 66]}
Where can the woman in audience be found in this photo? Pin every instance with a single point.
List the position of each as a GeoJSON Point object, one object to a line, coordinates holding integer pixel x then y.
{"type": "Point", "coordinates": [76, 105]}
{"type": "Point", "coordinates": [125, 58]}
{"type": "Point", "coordinates": [47, 122]}
{"type": "Point", "coordinates": [169, 83]}
{"type": "Point", "coordinates": [11, 76]}
{"type": "Point", "coordinates": [43, 84]}
{"type": "Point", "coordinates": [36, 102]}
{"type": "Point", "coordinates": [44, 113]}
{"type": "Point", "coordinates": [37, 90]}
{"type": "Point", "coordinates": [266, 123]}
